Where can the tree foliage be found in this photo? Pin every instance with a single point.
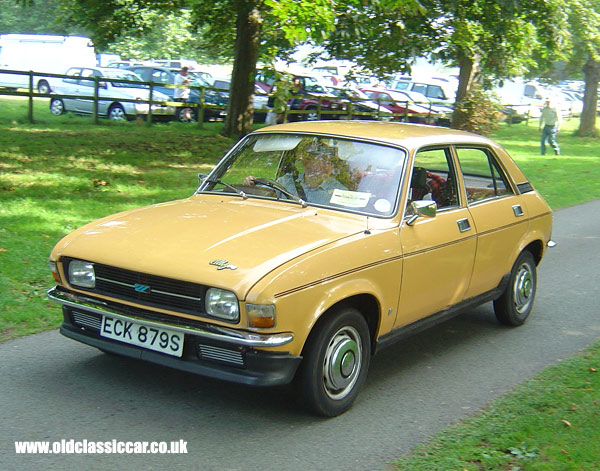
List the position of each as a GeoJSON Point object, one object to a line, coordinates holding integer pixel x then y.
{"type": "Point", "coordinates": [584, 54]}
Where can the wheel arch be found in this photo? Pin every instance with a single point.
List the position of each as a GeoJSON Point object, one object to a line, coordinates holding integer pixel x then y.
{"type": "Point", "coordinates": [536, 248]}
{"type": "Point", "coordinates": [365, 303]}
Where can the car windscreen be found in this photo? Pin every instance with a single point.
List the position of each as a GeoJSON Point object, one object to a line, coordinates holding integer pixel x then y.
{"type": "Point", "coordinates": [333, 172]}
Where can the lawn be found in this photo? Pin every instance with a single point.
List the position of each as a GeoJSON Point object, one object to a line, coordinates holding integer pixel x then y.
{"type": "Point", "coordinates": [62, 172]}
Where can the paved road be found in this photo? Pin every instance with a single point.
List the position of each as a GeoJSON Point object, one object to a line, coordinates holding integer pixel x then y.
{"type": "Point", "coordinates": [52, 388]}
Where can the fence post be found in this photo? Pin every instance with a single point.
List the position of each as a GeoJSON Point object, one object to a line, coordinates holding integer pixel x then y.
{"type": "Point", "coordinates": [95, 105]}
{"type": "Point", "coordinates": [200, 113]}
{"type": "Point", "coordinates": [30, 104]}
{"type": "Point", "coordinates": [406, 111]}
{"type": "Point", "coordinates": [150, 100]}
{"type": "Point", "coordinates": [319, 108]}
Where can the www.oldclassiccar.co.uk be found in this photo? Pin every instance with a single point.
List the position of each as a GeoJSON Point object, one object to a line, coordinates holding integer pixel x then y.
{"type": "Point", "coordinates": [100, 447]}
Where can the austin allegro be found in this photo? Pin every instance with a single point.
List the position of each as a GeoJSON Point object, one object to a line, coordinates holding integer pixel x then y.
{"type": "Point", "coordinates": [307, 249]}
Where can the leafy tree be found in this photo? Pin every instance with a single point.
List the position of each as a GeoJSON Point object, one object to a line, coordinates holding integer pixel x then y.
{"type": "Point", "coordinates": [584, 24]}
{"type": "Point", "coordinates": [484, 39]}
{"type": "Point", "coordinates": [246, 29]}
{"type": "Point", "coordinates": [26, 18]}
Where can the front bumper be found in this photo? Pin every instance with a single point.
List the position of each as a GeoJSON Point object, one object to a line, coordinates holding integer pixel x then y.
{"type": "Point", "coordinates": [209, 350]}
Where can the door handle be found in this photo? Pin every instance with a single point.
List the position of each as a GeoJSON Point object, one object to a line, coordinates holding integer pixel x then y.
{"type": "Point", "coordinates": [518, 210]}
{"type": "Point", "coordinates": [463, 225]}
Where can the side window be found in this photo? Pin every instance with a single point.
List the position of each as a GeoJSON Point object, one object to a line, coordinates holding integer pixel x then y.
{"type": "Point", "coordinates": [434, 91]}
{"type": "Point", "coordinates": [76, 72]}
{"type": "Point", "coordinates": [529, 91]}
{"type": "Point", "coordinates": [482, 175]}
{"type": "Point", "coordinates": [85, 73]}
{"type": "Point", "coordinates": [434, 178]}
{"type": "Point", "coordinates": [160, 76]}
{"type": "Point", "coordinates": [420, 88]}
{"type": "Point", "coordinates": [385, 99]}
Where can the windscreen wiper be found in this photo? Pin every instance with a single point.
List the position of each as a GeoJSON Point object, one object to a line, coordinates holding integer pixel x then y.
{"type": "Point", "coordinates": [279, 187]}
{"type": "Point", "coordinates": [231, 187]}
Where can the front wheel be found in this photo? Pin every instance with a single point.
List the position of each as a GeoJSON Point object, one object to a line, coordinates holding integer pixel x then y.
{"type": "Point", "coordinates": [335, 364]}
{"type": "Point", "coordinates": [312, 114]}
{"type": "Point", "coordinates": [186, 114]}
{"type": "Point", "coordinates": [516, 303]}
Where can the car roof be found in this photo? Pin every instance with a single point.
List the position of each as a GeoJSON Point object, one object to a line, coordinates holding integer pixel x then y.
{"type": "Point", "coordinates": [409, 136]}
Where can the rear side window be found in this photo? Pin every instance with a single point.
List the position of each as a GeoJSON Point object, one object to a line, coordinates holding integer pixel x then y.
{"type": "Point", "coordinates": [483, 176]}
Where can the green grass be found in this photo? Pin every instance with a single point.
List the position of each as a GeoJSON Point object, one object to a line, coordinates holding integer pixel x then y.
{"type": "Point", "coordinates": [549, 423]}
{"type": "Point", "coordinates": [62, 172]}
{"type": "Point", "coordinates": [564, 180]}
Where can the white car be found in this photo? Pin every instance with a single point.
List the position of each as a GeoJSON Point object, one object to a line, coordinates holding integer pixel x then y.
{"type": "Point", "coordinates": [118, 100]}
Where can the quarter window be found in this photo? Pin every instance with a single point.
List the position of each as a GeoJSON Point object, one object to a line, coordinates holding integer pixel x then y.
{"type": "Point", "coordinates": [482, 175]}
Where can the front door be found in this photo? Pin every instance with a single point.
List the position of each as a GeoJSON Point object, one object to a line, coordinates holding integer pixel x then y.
{"type": "Point", "coordinates": [438, 252]}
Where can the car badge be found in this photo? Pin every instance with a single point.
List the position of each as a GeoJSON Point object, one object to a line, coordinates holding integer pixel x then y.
{"type": "Point", "coordinates": [141, 288]}
{"type": "Point", "coordinates": [222, 265]}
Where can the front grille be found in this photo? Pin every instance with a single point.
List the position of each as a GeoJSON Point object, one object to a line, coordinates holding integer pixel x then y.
{"type": "Point", "coordinates": [150, 290]}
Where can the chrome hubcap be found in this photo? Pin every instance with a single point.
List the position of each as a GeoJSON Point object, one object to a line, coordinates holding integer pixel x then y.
{"type": "Point", "coordinates": [342, 363]}
{"type": "Point", "coordinates": [523, 288]}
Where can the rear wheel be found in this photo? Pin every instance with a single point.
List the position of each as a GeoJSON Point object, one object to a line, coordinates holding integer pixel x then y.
{"type": "Point", "coordinates": [117, 113]}
{"type": "Point", "coordinates": [57, 107]}
{"type": "Point", "coordinates": [516, 303]}
{"type": "Point", "coordinates": [335, 364]}
{"type": "Point", "coordinates": [43, 86]}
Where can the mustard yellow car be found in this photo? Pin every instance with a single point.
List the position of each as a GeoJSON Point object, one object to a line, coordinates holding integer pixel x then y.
{"type": "Point", "coordinates": [307, 249]}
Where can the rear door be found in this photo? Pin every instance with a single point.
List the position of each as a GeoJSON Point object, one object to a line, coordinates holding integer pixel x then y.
{"type": "Point", "coordinates": [500, 219]}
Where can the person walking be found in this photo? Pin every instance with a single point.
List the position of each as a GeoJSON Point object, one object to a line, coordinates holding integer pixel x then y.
{"type": "Point", "coordinates": [182, 94]}
{"type": "Point", "coordinates": [549, 125]}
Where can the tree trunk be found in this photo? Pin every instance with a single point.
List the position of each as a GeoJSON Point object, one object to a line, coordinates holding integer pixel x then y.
{"type": "Point", "coordinates": [587, 123]}
{"type": "Point", "coordinates": [241, 92]}
{"type": "Point", "coordinates": [467, 69]}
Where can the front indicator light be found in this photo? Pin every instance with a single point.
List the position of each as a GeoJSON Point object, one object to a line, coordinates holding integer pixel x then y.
{"type": "Point", "coordinates": [54, 269]}
{"type": "Point", "coordinates": [82, 274]}
{"type": "Point", "coordinates": [222, 304]}
{"type": "Point", "coordinates": [261, 316]}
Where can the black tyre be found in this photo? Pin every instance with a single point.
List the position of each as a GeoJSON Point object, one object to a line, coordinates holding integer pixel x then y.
{"type": "Point", "coordinates": [57, 107]}
{"type": "Point", "coordinates": [335, 364]}
{"type": "Point", "coordinates": [515, 304]}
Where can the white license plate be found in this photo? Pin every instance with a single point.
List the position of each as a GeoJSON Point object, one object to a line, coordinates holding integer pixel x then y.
{"type": "Point", "coordinates": [153, 338]}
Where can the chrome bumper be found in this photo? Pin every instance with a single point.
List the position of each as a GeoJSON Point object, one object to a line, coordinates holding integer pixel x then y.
{"type": "Point", "coordinates": [213, 332]}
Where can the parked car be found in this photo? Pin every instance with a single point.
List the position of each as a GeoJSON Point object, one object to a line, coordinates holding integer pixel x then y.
{"type": "Point", "coordinates": [438, 90]}
{"type": "Point", "coordinates": [360, 104]}
{"type": "Point", "coordinates": [403, 106]}
{"type": "Point", "coordinates": [163, 76]}
{"type": "Point", "coordinates": [311, 96]}
{"type": "Point", "coordinates": [79, 93]}
{"type": "Point", "coordinates": [306, 250]}
{"type": "Point", "coordinates": [260, 98]}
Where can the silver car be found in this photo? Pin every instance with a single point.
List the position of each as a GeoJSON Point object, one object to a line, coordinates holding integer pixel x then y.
{"type": "Point", "coordinates": [76, 94]}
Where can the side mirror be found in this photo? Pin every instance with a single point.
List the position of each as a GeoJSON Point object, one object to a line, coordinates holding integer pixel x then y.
{"type": "Point", "coordinates": [202, 177]}
{"type": "Point", "coordinates": [425, 208]}
{"type": "Point", "coordinates": [102, 85]}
